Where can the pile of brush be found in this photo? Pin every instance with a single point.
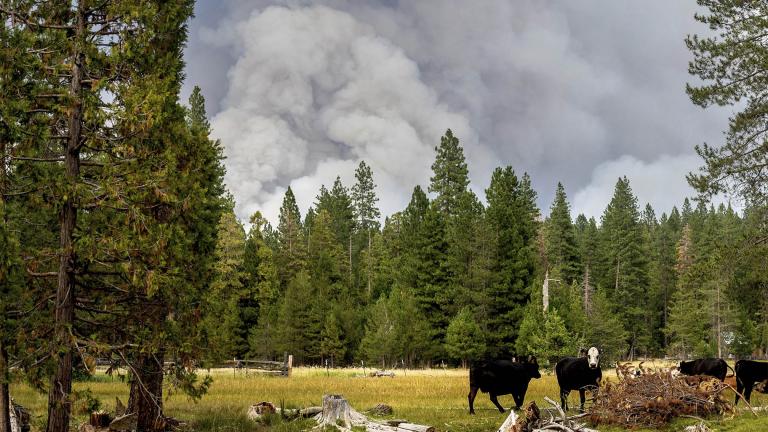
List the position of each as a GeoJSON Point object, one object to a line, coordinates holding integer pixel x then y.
{"type": "Point", "coordinates": [653, 398]}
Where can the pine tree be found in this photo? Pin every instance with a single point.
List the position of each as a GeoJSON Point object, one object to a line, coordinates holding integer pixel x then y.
{"type": "Point", "coordinates": [259, 265]}
{"type": "Point", "coordinates": [291, 250]}
{"type": "Point", "coordinates": [366, 215]}
{"type": "Point", "coordinates": [561, 248]}
{"type": "Point", "coordinates": [96, 128]}
{"type": "Point", "coordinates": [226, 332]}
{"type": "Point", "coordinates": [587, 239]}
{"type": "Point", "coordinates": [331, 341]}
{"type": "Point", "coordinates": [730, 61]}
{"type": "Point", "coordinates": [688, 320]}
{"type": "Point", "coordinates": [197, 119]}
{"type": "Point", "coordinates": [512, 215]}
{"type": "Point", "coordinates": [451, 177]}
{"type": "Point", "coordinates": [464, 340]}
{"type": "Point", "coordinates": [623, 271]}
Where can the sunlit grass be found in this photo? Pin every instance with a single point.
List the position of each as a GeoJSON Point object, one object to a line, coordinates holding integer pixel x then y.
{"type": "Point", "coordinates": [437, 397]}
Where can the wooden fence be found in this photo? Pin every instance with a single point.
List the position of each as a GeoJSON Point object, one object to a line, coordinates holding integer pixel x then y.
{"type": "Point", "coordinates": [282, 368]}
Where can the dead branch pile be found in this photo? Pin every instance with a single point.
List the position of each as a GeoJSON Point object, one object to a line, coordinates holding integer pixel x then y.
{"type": "Point", "coordinates": [535, 420]}
{"type": "Point", "coordinates": [652, 399]}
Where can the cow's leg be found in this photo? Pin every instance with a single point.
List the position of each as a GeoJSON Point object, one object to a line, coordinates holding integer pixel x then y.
{"type": "Point", "coordinates": [739, 390]}
{"type": "Point", "coordinates": [581, 399]}
{"type": "Point", "coordinates": [496, 402]}
{"type": "Point", "coordinates": [748, 390]}
{"type": "Point", "coordinates": [518, 400]}
{"type": "Point", "coordinates": [564, 399]}
{"type": "Point", "coordinates": [471, 397]}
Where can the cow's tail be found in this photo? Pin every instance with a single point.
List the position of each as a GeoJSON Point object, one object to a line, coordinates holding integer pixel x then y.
{"type": "Point", "coordinates": [729, 367]}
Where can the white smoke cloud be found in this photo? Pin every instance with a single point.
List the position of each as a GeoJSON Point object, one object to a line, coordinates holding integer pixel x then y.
{"type": "Point", "coordinates": [313, 92]}
{"type": "Point", "coordinates": [660, 183]}
{"type": "Point", "coordinates": [557, 89]}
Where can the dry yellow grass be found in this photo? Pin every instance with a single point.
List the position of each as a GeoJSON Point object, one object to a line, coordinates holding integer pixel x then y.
{"type": "Point", "coordinates": [436, 397]}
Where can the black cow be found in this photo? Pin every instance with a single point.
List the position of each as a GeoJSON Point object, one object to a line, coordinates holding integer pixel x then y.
{"type": "Point", "coordinates": [714, 367]}
{"type": "Point", "coordinates": [748, 372]}
{"type": "Point", "coordinates": [578, 373]}
{"type": "Point", "coordinates": [501, 377]}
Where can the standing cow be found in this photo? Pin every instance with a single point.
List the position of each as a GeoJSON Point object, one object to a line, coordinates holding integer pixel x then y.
{"type": "Point", "coordinates": [578, 373]}
{"type": "Point", "coordinates": [501, 377]}
{"type": "Point", "coordinates": [748, 372]}
{"type": "Point", "coordinates": [714, 367]}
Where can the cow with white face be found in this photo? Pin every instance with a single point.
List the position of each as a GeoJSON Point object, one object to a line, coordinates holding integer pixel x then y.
{"type": "Point", "coordinates": [579, 373]}
{"type": "Point", "coordinates": [593, 358]}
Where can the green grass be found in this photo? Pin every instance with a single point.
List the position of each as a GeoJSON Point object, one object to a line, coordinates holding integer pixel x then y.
{"type": "Point", "coordinates": [434, 397]}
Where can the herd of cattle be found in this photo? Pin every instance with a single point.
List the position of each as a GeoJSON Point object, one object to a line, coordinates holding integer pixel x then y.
{"type": "Point", "coordinates": [503, 377]}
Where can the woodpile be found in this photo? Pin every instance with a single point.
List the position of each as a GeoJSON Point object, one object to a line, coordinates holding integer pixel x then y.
{"type": "Point", "coordinates": [536, 420]}
{"type": "Point", "coordinates": [654, 398]}
{"type": "Point", "coordinates": [381, 373]}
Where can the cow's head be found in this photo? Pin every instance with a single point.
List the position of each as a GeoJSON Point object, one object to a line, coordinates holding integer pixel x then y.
{"type": "Point", "coordinates": [685, 367]}
{"type": "Point", "coordinates": [593, 358]}
{"type": "Point", "coordinates": [532, 366]}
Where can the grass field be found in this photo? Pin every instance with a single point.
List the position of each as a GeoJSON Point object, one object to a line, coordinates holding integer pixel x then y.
{"type": "Point", "coordinates": [436, 397]}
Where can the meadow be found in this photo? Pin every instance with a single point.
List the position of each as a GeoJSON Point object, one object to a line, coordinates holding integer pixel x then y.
{"type": "Point", "coordinates": [436, 397]}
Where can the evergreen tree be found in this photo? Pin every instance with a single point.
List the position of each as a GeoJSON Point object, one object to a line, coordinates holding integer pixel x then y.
{"type": "Point", "coordinates": [561, 248]}
{"type": "Point", "coordinates": [623, 271]}
{"type": "Point", "coordinates": [262, 275]}
{"type": "Point", "coordinates": [291, 248]}
{"type": "Point", "coordinates": [512, 215]}
{"type": "Point", "coordinates": [299, 321]}
{"type": "Point", "coordinates": [197, 119]}
{"type": "Point", "coordinates": [331, 341]}
{"type": "Point", "coordinates": [451, 177]}
{"type": "Point", "coordinates": [464, 340]}
{"type": "Point", "coordinates": [366, 215]}
{"type": "Point", "coordinates": [226, 332]}
{"type": "Point", "coordinates": [688, 320]}
{"type": "Point", "coordinates": [730, 61]}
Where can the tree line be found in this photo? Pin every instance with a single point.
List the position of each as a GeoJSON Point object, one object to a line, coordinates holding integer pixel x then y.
{"type": "Point", "coordinates": [450, 278]}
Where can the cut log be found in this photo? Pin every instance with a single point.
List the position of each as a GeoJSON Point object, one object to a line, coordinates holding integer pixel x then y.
{"type": "Point", "coordinates": [380, 373]}
{"type": "Point", "coordinates": [415, 427]}
{"type": "Point", "coordinates": [310, 411]}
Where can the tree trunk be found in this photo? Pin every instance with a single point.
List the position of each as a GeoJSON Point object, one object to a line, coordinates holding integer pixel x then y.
{"type": "Point", "coordinates": [61, 383]}
{"type": "Point", "coordinates": [370, 259]}
{"type": "Point", "coordinates": [717, 326]}
{"type": "Point", "coordinates": [587, 300]}
{"type": "Point", "coordinates": [146, 396]}
{"type": "Point", "coordinates": [5, 398]}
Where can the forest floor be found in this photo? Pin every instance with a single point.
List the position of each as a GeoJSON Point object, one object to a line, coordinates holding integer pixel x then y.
{"type": "Point", "coordinates": [436, 397]}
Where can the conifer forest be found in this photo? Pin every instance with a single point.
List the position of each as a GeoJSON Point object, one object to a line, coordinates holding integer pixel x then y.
{"type": "Point", "coordinates": [120, 240]}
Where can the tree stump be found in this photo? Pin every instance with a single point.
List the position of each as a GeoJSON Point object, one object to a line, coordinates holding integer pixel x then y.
{"type": "Point", "coordinates": [338, 414]}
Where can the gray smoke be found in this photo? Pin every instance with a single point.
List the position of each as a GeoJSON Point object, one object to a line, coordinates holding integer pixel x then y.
{"type": "Point", "coordinates": [578, 92]}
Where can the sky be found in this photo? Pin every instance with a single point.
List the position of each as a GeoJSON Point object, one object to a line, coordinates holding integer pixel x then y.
{"type": "Point", "coordinates": [584, 92]}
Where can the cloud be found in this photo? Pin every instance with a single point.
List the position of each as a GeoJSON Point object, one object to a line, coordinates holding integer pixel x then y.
{"type": "Point", "coordinates": [313, 92]}
{"type": "Point", "coordinates": [660, 183]}
{"type": "Point", "coordinates": [557, 89]}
